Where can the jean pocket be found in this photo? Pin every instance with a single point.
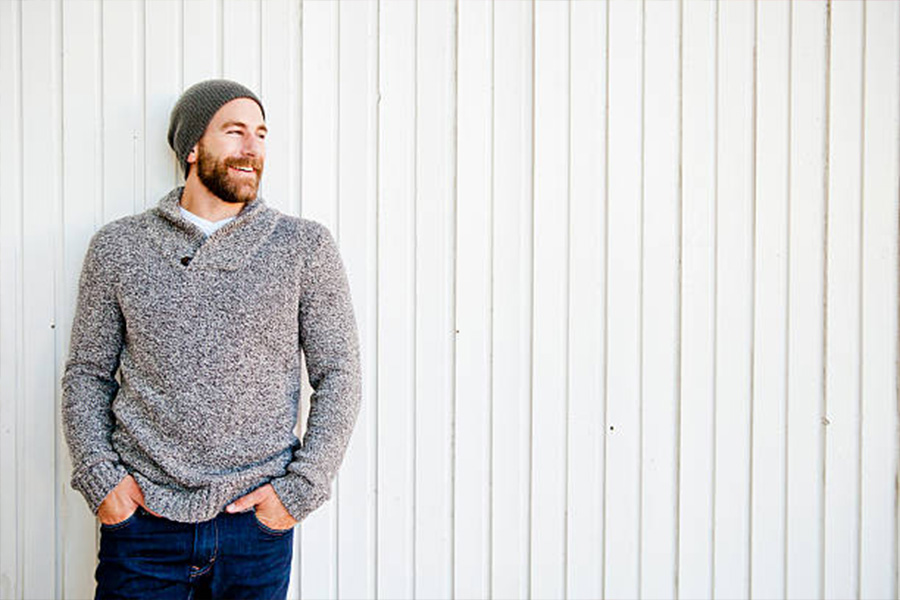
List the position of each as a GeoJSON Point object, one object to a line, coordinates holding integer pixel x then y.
{"type": "Point", "coordinates": [122, 524]}
{"type": "Point", "coordinates": [266, 529]}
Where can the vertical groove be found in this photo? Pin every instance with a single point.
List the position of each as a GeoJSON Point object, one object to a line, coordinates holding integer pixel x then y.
{"type": "Point", "coordinates": [568, 285]}
{"type": "Point", "coordinates": [58, 265]}
{"type": "Point", "coordinates": [715, 303]}
{"type": "Point", "coordinates": [531, 315]}
{"type": "Point", "coordinates": [3, 298]}
{"type": "Point", "coordinates": [896, 531]}
{"type": "Point", "coordinates": [531, 297]}
{"type": "Point", "coordinates": [490, 327]}
{"type": "Point", "coordinates": [679, 299]}
{"type": "Point", "coordinates": [826, 176]}
{"type": "Point", "coordinates": [415, 289]}
{"type": "Point", "coordinates": [787, 287]}
{"type": "Point", "coordinates": [455, 301]}
{"type": "Point", "coordinates": [754, 125]}
{"type": "Point", "coordinates": [896, 515]}
{"type": "Point", "coordinates": [861, 314]}
{"type": "Point", "coordinates": [605, 366]}
{"type": "Point", "coordinates": [640, 334]}
{"type": "Point", "coordinates": [14, 138]}
{"type": "Point", "coordinates": [20, 305]}
{"type": "Point", "coordinates": [377, 328]}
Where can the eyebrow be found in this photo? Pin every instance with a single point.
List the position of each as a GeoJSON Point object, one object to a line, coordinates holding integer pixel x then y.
{"type": "Point", "coordinates": [242, 125]}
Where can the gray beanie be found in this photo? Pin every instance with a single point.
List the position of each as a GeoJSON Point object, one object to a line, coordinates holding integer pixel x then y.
{"type": "Point", "coordinates": [195, 109]}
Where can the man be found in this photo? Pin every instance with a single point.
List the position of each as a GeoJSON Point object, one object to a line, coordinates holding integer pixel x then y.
{"type": "Point", "coordinates": [203, 304]}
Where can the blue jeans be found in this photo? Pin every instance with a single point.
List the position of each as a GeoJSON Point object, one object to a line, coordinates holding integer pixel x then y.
{"type": "Point", "coordinates": [230, 556]}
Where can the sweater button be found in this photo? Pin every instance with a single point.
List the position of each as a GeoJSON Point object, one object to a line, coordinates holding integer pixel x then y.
{"type": "Point", "coordinates": [185, 260]}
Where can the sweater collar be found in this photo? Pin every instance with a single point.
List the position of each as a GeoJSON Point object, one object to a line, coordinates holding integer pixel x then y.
{"type": "Point", "coordinates": [169, 207]}
{"type": "Point", "coordinates": [227, 248]}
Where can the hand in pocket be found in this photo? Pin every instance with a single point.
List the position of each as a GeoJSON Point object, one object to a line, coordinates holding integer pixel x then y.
{"type": "Point", "coordinates": [122, 502]}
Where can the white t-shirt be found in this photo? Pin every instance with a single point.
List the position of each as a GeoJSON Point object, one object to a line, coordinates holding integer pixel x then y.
{"type": "Point", "coordinates": [208, 227]}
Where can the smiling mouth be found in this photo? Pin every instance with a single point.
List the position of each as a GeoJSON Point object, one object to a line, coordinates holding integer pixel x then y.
{"type": "Point", "coordinates": [246, 170]}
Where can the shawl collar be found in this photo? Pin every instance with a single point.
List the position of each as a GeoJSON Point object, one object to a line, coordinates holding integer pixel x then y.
{"type": "Point", "coordinates": [227, 248]}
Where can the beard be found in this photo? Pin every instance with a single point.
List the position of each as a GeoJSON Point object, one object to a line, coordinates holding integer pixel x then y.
{"type": "Point", "coordinates": [219, 180]}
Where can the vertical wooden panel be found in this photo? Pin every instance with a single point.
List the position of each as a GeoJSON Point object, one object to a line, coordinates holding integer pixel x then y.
{"type": "Point", "coordinates": [396, 299]}
{"type": "Point", "coordinates": [357, 147]}
{"type": "Point", "coordinates": [842, 366]}
{"type": "Point", "coordinates": [511, 267]}
{"type": "Point", "coordinates": [123, 106]}
{"type": "Point", "coordinates": [279, 86]}
{"type": "Point", "coordinates": [241, 41]}
{"type": "Point", "coordinates": [472, 384]}
{"type": "Point", "coordinates": [319, 69]}
{"type": "Point", "coordinates": [435, 175]}
{"type": "Point", "coordinates": [623, 322]}
{"type": "Point", "coordinates": [201, 28]}
{"type": "Point", "coordinates": [767, 504]}
{"type": "Point", "coordinates": [82, 187]}
{"type": "Point", "coordinates": [11, 289]}
{"type": "Point", "coordinates": [162, 60]}
{"type": "Point", "coordinates": [37, 414]}
{"type": "Point", "coordinates": [587, 260]}
{"type": "Point", "coordinates": [734, 298]}
{"type": "Point", "coordinates": [549, 386]}
{"type": "Point", "coordinates": [805, 302]}
{"type": "Point", "coordinates": [319, 201]}
{"type": "Point", "coordinates": [660, 301]}
{"type": "Point", "coordinates": [881, 122]}
{"type": "Point", "coordinates": [698, 306]}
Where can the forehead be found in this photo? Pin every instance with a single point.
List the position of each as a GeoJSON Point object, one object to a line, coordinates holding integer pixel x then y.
{"type": "Point", "coordinates": [241, 110]}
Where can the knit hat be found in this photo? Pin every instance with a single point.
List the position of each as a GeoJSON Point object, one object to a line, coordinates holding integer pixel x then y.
{"type": "Point", "coordinates": [195, 109]}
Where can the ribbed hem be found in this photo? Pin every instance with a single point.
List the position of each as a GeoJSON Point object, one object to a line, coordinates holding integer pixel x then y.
{"type": "Point", "coordinates": [96, 482]}
{"type": "Point", "coordinates": [299, 496]}
{"type": "Point", "coordinates": [194, 505]}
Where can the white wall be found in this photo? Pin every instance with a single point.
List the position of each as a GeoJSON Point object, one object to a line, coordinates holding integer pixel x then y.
{"type": "Point", "coordinates": [625, 274]}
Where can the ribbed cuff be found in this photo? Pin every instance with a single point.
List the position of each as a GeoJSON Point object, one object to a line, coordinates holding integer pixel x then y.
{"type": "Point", "coordinates": [96, 482]}
{"type": "Point", "coordinates": [299, 496]}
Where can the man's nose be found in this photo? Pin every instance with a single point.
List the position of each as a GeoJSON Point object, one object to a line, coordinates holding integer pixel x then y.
{"type": "Point", "coordinates": [252, 146]}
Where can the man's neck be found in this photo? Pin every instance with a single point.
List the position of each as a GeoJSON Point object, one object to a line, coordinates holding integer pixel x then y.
{"type": "Point", "coordinates": [197, 199]}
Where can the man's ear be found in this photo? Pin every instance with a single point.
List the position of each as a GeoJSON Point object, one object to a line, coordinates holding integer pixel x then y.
{"type": "Point", "coordinates": [192, 155]}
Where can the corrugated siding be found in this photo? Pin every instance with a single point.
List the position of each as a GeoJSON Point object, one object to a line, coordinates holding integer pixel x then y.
{"type": "Point", "coordinates": [625, 272]}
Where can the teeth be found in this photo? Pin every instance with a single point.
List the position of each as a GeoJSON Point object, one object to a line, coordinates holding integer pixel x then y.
{"type": "Point", "coordinates": [245, 169]}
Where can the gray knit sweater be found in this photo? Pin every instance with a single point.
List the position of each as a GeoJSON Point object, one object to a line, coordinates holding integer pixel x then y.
{"type": "Point", "coordinates": [206, 335]}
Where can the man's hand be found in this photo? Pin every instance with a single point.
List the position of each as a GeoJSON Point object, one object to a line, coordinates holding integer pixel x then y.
{"type": "Point", "coordinates": [122, 502]}
{"type": "Point", "coordinates": [269, 509]}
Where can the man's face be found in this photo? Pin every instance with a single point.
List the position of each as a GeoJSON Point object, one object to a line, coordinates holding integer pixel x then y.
{"type": "Point", "coordinates": [229, 157]}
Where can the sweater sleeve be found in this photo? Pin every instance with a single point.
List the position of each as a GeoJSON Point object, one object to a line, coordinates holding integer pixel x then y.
{"type": "Point", "coordinates": [88, 383]}
{"type": "Point", "coordinates": [329, 339]}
